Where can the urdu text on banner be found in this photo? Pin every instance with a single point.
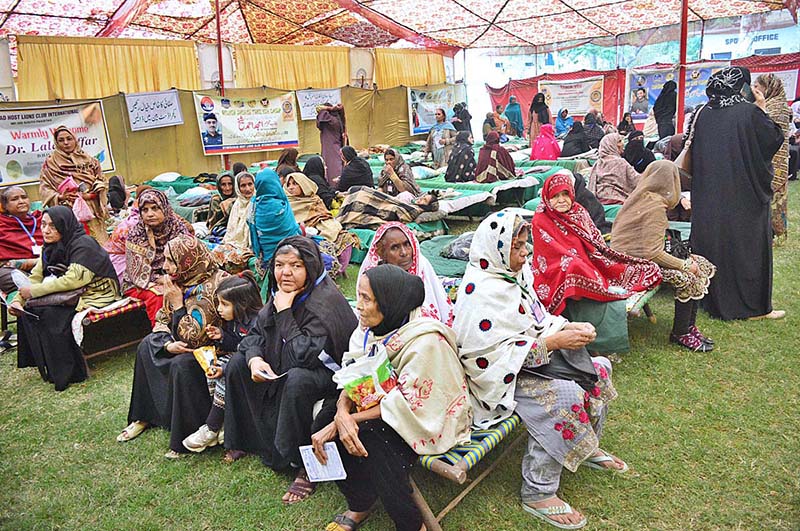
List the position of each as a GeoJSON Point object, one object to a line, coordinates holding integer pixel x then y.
{"type": "Point", "coordinates": [578, 96]}
{"type": "Point", "coordinates": [150, 110]}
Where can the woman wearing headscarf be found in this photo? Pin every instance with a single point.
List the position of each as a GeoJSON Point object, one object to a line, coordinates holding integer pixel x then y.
{"type": "Point", "coordinates": [440, 139]}
{"type": "Point", "coordinates": [593, 131]}
{"type": "Point", "coordinates": [461, 166]}
{"type": "Point", "coordinates": [117, 193]}
{"type": "Point", "coordinates": [638, 156]}
{"type": "Point", "coordinates": [545, 147]}
{"type": "Point", "coordinates": [612, 179]}
{"type": "Point", "coordinates": [588, 201]}
{"type": "Point", "coordinates": [315, 171]}
{"type": "Point", "coordinates": [394, 243]}
{"type": "Point", "coordinates": [664, 109]}
{"type": "Point", "coordinates": [626, 126]}
{"type": "Point", "coordinates": [772, 88]}
{"type": "Point", "coordinates": [575, 143]}
{"type": "Point", "coordinates": [332, 127]}
{"type": "Point", "coordinates": [356, 171]}
{"type": "Point", "coordinates": [462, 119]}
{"type": "Point", "coordinates": [169, 386]}
{"type": "Point", "coordinates": [219, 209]}
{"type": "Point", "coordinates": [521, 359]}
{"type": "Point", "coordinates": [564, 123]}
{"type": "Point", "coordinates": [514, 114]}
{"type": "Point", "coordinates": [396, 176]}
{"type": "Point", "coordinates": [639, 229]}
{"type": "Point", "coordinates": [494, 162]}
{"type": "Point", "coordinates": [270, 219]}
{"type": "Point", "coordinates": [71, 260]}
{"type": "Point", "coordinates": [237, 232]}
{"type": "Point", "coordinates": [538, 115]}
{"type": "Point", "coordinates": [731, 196]}
{"type": "Point", "coordinates": [69, 160]}
{"type": "Point", "coordinates": [300, 334]}
{"type": "Point", "coordinates": [115, 246]}
{"type": "Point", "coordinates": [144, 249]}
{"type": "Point", "coordinates": [427, 412]}
{"type": "Point", "coordinates": [287, 163]}
{"type": "Point", "coordinates": [489, 125]}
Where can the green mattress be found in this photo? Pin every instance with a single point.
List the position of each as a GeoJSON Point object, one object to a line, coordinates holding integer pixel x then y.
{"type": "Point", "coordinates": [444, 267]}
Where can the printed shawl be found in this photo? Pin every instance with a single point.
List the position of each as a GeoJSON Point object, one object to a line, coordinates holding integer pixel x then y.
{"type": "Point", "coordinates": [494, 162]}
{"type": "Point", "coordinates": [461, 165]}
{"type": "Point", "coordinates": [238, 232]}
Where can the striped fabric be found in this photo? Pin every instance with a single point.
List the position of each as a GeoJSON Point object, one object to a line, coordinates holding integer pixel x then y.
{"type": "Point", "coordinates": [483, 441]}
{"type": "Point", "coordinates": [636, 302]}
{"type": "Point", "coordinates": [93, 317]}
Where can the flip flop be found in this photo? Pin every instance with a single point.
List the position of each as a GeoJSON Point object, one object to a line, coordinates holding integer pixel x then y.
{"type": "Point", "coordinates": [300, 487]}
{"type": "Point", "coordinates": [133, 430]}
{"type": "Point", "coordinates": [596, 463]}
{"type": "Point", "coordinates": [545, 512]}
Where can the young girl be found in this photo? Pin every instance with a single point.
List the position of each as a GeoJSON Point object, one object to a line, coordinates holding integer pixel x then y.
{"type": "Point", "coordinates": [239, 304]}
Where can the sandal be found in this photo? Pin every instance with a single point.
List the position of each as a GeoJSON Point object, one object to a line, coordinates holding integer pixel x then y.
{"type": "Point", "coordinates": [133, 430]}
{"type": "Point", "coordinates": [699, 335]}
{"type": "Point", "coordinates": [691, 342]}
{"type": "Point", "coordinates": [233, 455]}
{"type": "Point", "coordinates": [300, 487]}
{"type": "Point", "coordinates": [343, 523]}
{"type": "Point", "coordinates": [544, 514]}
{"type": "Point", "coordinates": [774, 314]}
{"type": "Point", "coordinates": [596, 462]}
{"type": "Point", "coordinates": [172, 454]}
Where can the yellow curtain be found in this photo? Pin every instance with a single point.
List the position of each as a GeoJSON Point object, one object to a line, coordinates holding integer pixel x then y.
{"type": "Point", "coordinates": [292, 67]}
{"type": "Point", "coordinates": [409, 68]}
{"type": "Point", "coordinates": [74, 68]}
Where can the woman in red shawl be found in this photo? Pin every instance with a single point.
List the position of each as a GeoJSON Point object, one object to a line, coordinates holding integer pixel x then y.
{"type": "Point", "coordinates": [494, 162]}
{"type": "Point", "coordinates": [570, 258]}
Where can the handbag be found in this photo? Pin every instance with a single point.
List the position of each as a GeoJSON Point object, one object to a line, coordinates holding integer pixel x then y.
{"type": "Point", "coordinates": [684, 159]}
{"type": "Point", "coordinates": [62, 298]}
{"type": "Point", "coordinates": [674, 246]}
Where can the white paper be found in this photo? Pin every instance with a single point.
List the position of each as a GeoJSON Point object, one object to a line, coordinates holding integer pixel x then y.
{"type": "Point", "coordinates": [333, 470]}
{"type": "Point", "coordinates": [270, 376]}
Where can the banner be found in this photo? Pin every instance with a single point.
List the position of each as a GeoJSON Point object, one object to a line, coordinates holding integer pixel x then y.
{"type": "Point", "coordinates": [644, 87]}
{"type": "Point", "coordinates": [788, 77]}
{"type": "Point", "coordinates": [308, 100]}
{"type": "Point", "coordinates": [26, 138]}
{"type": "Point", "coordinates": [579, 96]}
{"type": "Point", "coordinates": [242, 125]}
{"type": "Point", "coordinates": [423, 102]}
{"type": "Point", "coordinates": [151, 110]}
{"type": "Point", "coordinates": [7, 92]}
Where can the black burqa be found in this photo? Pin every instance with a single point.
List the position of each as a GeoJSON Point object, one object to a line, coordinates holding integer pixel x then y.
{"type": "Point", "coordinates": [315, 170]}
{"type": "Point", "coordinates": [540, 109]}
{"type": "Point", "coordinates": [636, 154]}
{"type": "Point", "coordinates": [734, 142]}
{"type": "Point", "coordinates": [272, 419]}
{"type": "Point", "coordinates": [356, 172]}
{"type": "Point", "coordinates": [664, 109]}
{"type": "Point", "coordinates": [47, 343]}
{"type": "Point", "coordinates": [575, 142]}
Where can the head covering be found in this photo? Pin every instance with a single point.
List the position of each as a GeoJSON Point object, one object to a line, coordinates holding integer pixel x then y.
{"type": "Point", "coordinates": [612, 179]}
{"type": "Point", "coordinates": [563, 125]}
{"type": "Point", "coordinates": [74, 247]}
{"type": "Point", "coordinates": [609, 146]}
{"type": "Point", "coordinates": [590, 119]}
{"type": "Point", "coordinates": [545, 147]}
{"type": "Point", "coordinates": [539, 108]}
{"type": "Point", "coordinates": [289, 157]}
{"type": "Point", "coordinates": [192, 258]}
{"type": "Point", "coordinates": [144, 246]}
{"type": "Point", "coordinates": [402, 170]}
{"type": "Point", "coordinates": [270, 218]}
{"type": "Point", "coordinates": [238, 233]}
{"type": "Point", "coordinates": [349, 153]}
{"type": "Point", "coordinates": [572, 260]}
{"type": "Point", "coordinates": [116, 192]}
{"type": "Point", "coordinates": [357, 171]}
{"type": "Point", "coordinates": [666, 103]}
{"type": "Point", "coordinates": [309, 209]}
{"type": "Point", "coordinates": [397, 293]}
{"type": "Point", "coordinates": [437, 304]}
{"type": "Point", "coordinates": [312, 260]}
{"type": "Point", "coordinates": [724, 87]}
{"type": "Point", "coordinates": [461, 165]}
{"type": "Point", "coordinates": [60, 165]}
{"type": "Point", "coordinates": [514, 114]}
{"type": "Point", "coordinates": [775, 96]}
{"type": "Point", "coordinates": [639, 227]}
{"type": "Point", "coordinates": [314, 166]}
{"type": "Point", "coordinates": [635, 153]}
{"type": "Point", "coordinates": [222, 195]}
{"type": "Point", "coordinates": [494, 162]}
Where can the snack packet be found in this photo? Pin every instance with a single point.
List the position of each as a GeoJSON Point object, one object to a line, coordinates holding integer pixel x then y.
{"type": "Point", "coordinates": [207, 358]}
{"type": "Point", "coordinates": [368, 379]}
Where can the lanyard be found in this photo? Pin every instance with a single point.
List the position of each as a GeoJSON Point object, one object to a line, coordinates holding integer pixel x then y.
{"type": "Point", "coordinates": [29, 233]}
{"type": "Point", "coordinates": [366, 337]}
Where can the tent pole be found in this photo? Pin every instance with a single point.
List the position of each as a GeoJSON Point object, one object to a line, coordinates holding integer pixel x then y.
{"type": "Point", "coordinates": [682, 65]}
{"type": "Point", "coordinates": [220, 64]}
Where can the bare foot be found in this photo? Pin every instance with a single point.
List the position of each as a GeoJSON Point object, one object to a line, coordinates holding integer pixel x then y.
{"type": "Point", "coordinates": [573, 518]}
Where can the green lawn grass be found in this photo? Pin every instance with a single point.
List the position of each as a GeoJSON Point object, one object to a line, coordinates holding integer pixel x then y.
{"type": "Point", "coordinates": [712, 441]}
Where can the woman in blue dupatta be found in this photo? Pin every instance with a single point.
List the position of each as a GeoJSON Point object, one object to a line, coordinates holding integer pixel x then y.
{"type": "Point", "coordinates": [564, 123]}
{"type": "Point", "coordinates": [441, 138]}
{"type": "Point", "coordinates": [271, 218]}
{"type": "Point", "coordinates": [514, 114]}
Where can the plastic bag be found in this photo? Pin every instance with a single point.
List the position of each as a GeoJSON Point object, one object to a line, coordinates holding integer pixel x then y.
{"type": "Point", "coordinates": [368, 379]}
{"type": "Point", "coordinates": [458, 249]}
{"type": "Point", "coordinates": [67, 185]}
{"type": "Point", "coordinates": [82, 210]}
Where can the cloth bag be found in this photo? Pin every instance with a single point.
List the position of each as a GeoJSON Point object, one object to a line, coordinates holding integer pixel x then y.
{"type": "Point", "coordinates": [62, 298]}
{"type": "Point", "coordinates": [684, 159]}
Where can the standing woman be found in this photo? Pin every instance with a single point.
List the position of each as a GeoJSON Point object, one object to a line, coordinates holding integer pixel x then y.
{"type": "Point", "coordinates": [731, 196]}
{"type": "Point", "coordinates": [69, 160]}
{"type": "Point", "coordinates": [332, 136]}
{"type": "Point", "coordinates": [514, 114]}
{"type": "Point", "coordinates": [461, 166]}
{"type": "Point", "coordinates": [538, 116]}
{"type": "Point", "coordinates": [776, 108]}
{"type": "Point", "coordinates": [45, 332]}
{"type": "Point", "coordinates": [441, 138]}
{"type": "Point", "coordinates": [664, 109]}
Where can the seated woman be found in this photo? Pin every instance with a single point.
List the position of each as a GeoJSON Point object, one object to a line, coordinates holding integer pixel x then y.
{"type": "Point", "coordinates": [118, 194]}
{"type": "Point", "coordinates": [355, 171]}
{"type": "Point", "coordinates": [219, 209]}
{"type": "Point", "coordinates": [115, 246]}
{"type": "Point", "coordinates": [545, 147]}
{"type": "Point", "coordinates": [612, 179]}
{"type": "Point", "coordinates": [395, 244]}
{"type": "Point", "coordinates": [489, 125]}
{"type": "Point", "coordinates": [440, 139]}
{"type": "Point", "coordinates": [575, 143]}
{"type": "Point", "coordinates": [74, 268]}
{"type": "Point", "coordinates": [287, 163]}
{"type": "Point", "coordinates": [144, 249]}
{"type": "Point", "coordinates": [461, 166]}
{"type": "Point", "coordinates": [366, 208]}
{"type": "Point", "coordinates": [639, 231]}
{"type": "Point", "coordinates": [302, 330]}
{"type": "Point", "coordinates": [428, 412]}
{"type": "Point", "coordinates": [636, 154]}
{"type": "Point", "coordinates": [22, 240]}
{"type": "Point", "coordinates": [69, 160]}
{"type": "Point", "coordinates": [235, 251]}
{"type": "Point", "coordinates": [494, 162]}
{"type": "Point", "coordinates": [396, 176]}
{"type": "Point", "coordinates": [626, 126]}
{"type": "Point", "coordinates": [315, 170]}
{"type": "Point", "coordinates": [271, 218]}
{"type": "Point", "coordinates": [594, 131]}
{"type": "Point", "coordinates": [519, 358]}
{"type": "Point", "coordinates": [564, 123]}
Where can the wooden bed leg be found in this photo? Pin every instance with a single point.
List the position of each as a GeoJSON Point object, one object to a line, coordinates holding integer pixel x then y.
{"type": "Point", "coordinates": [649, 313]}
{"type": "Point", "coordinates": [428, 518]}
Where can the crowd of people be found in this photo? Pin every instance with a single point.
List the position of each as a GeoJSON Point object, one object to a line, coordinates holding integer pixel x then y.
{"type": "Point", "coordinates": [263, 298]}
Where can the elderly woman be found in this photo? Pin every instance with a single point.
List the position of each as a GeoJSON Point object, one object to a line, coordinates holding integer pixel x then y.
{"type": "Point", "coordinates": [287, 163]}
{"type": "Point", "coordinates": [639, 229]}
{"type": "Point", "coordinates": [270, 219]}
{"type": "Point", "coordinates": [545, 147]}
{"type": "Point", "coordinates": [219, 209]}
{"type": "Point", "coordinates": [612, 178]}
{"type": "Point", "coordinates": [315, 170]}
{"type": "Point", "coordinates": [116, 245]}
{"type": "Point", "coordinates": [69, 160]}
{"type": "Point", "coordinates": [72, 274]}
{"type": "Point", "coordinates": [396, 176]}
{"type": "Point", "coordinates": [144, 249]}
{"type": "Point", "coordinates": [494, 162]}
{"type": "Point", "coordinates": [395, 244]}
{"type": "Point", "coordinates": [441, 138]}
{"type": "Point", "coordinates": [356, 171]}
{"type": "Point", "coordinates": [332, 127]}
{"type": "Point", "coordinates": [519, 358]}
{"type": "Point", "coordinates": [21, 243]}
{"type": "Point", "coordinates": [461, 166]}
{"type": "Point", "coordinates": [283, 365]}
{"type": "Point", "coordinates": [427, 412]}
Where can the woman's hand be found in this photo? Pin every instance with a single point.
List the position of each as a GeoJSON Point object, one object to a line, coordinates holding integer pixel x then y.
{"type": "Point", "coordinates": [348, 434]}
{"type": "Point", "coordinates": [214, 372]}
{"type": "Point", "coordinates": [694, 269]}
{"type": "Point", "coordinates": [15, 309]}
{"type": "Point", "coordinates": [571, 338]}
{"type": "Point", "coordinates": [319, 439]}
{"type": "Point", "coordinates": [68, 197]}
{"type": "Point", "coordinates": [25, 292]}
{"type": "Point", "coordinates": [761, 102]}
{"type": "Point", "coordinates": [213, 332]}
{"type": "Point", "coordinates": [177, 347]}
{"type": "Point", "coordinates": [284, 300]}
{"type": "Point", "coordinates": [256, 366]}
{"type": "Point", "coordinates": [442, 141]}
{"type": "Point", "coordinates": [172, 293]}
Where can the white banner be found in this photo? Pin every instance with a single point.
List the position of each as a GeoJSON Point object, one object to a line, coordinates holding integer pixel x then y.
{"type": "Point", "coordinates": [423, 102]}
{"type": "Point", "coordinates": [26, 138]}
{"type": "Point", "coordinates": [789, 79]}
{"type": "Point", "coordinates": [579, 96]}
{"type": "Point", "coordinates": [151, 110]}
{"type": "Point", "coordinates": [308, 100]}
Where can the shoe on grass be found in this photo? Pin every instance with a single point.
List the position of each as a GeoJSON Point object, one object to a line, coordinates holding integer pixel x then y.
{"type": "Point", "coordinates": [201, 439]}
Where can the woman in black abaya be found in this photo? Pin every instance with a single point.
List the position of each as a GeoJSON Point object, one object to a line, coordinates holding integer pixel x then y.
{"type": "Point", "coordinates": [734, 142]}
{"type": "Point", "coordinates": [664, 109]}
